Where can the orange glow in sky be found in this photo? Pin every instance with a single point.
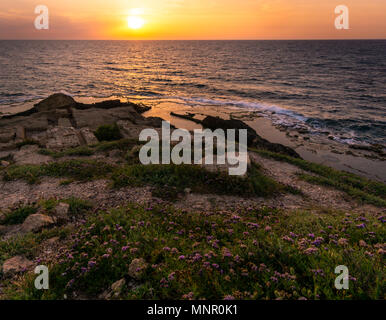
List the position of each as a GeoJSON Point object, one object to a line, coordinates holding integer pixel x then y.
{"type": "Point", "coordinates": [193, 19]}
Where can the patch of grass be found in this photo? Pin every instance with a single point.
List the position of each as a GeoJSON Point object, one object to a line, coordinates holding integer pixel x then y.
{"type": "Point", "coordinates": [28, 244]}
{"type": "Point", "coordinates": [72, 169]}
{"type": "Point", "coordinates": [78, 151]}
{"type": "Point", "coordinates": [169, 180]}
{"type": "Point", "coordinates": [66, 182]}
{"type": "Point", "coordinates": [353, 192]}
{"type": "Point", "coordinates": [359, 188]}
{"type": "Point", "coordinates": [77, 206]}
{"type": "Point", "coordinates": [18, 215]}
{"type": "Point", "coordinates": [108, 133]}
{"type": "Point", "coordinates": [254, 253]}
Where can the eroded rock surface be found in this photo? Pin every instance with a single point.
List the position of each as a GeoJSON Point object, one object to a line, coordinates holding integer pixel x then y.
{"type": "Point", "coordinates": [16, 265]}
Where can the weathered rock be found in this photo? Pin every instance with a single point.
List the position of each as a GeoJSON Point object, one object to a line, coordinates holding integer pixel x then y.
{"type": "Point", "coordinates": [28, 154]}
{"type": "Point", "coordinates": [136, 268]}
{"type": "Point", "coordinates": [64, 122]}
{"type": "Point", "coordinates": [7, 136]}
{"type": "Point", "coordinates": [61, 138]}
{"type": "Point", "coordinates": [55, 101]}
{"type": "Point", "coordinates": [130, 131]}
{"type": "Point", "coordinates": [117, 286]}
{"type": "Point", "coordinates": [36, 222]}
{"type": "Point", "coordinates": [61, 212]}
{"type": "Point", "coordinates": [254, 140]}
{"type": "Point", "coordinates": [140, 108]}
{"type": "Point", "coordinates": [5, 154]}
{"type": "Point", "coordinates": [114, 291]}
{"type": "Point", "coordinates": [88, 136]}
{"type": "Point", "coordinates": [35, 123]}
{"type": "Point", "coordinates": [155, 122]}
{"type": "Point", "coordinates": [7, 146]}
{"type": "Point", "coordinates": [93, 118]}
{"type": "Point", "coordinates": [16, 265]}
{"type": "Point", "coordinates": [20, 133]}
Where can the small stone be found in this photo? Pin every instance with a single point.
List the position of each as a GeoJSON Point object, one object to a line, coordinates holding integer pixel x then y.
{"type": "Point", "coordinates": [5, 163]}
{"type": "Point", "coordinates": [36, 222]}
{"type": "Point", "coordinates": [117, 287]}
{"type": "Point", "coordinates": [61, 211]}
{"type": "Point", "coordinates": [136, 268]}
{"type": "Point", "coordinates": [53, 240]}
{"type": "Point", "coordinates": [16, 265]}
{"type": "Point", "coordinates": [188, 190]}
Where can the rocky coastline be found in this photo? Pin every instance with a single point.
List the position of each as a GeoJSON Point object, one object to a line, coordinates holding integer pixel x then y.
{"type": "Point", "coordinates": [66, 165]}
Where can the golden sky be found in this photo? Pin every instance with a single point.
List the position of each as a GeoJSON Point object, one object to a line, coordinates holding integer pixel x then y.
{"type": "Point", "coordinates": [193, 19]}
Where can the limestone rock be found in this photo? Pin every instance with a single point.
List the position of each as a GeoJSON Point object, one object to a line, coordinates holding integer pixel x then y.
{"type": "Point", "coordinates": [36, 222]}
{"type": "Point", "coordinates": [55, 101]}
{"type": "Point", "coordinates": [136, 268]}
{"type": "Point", "coordinates": [64, 122]}
{"type": "Point", "coordinates": [7, 136]}
{"type": "Point", "coordinates": [28, 154]}
{"type": "Point", "coordinates": [15, 265]}
{"type": "Point", "coordinates": [114, 291]}
{"type": "Point", "coordinates": [61, 212]}
{"type": "Point", "coordinates": [131, 131]}
{"type": "Point", "coordinates": [93, 118]}
{"type": "Point", "coordinates": [35, 123]}
{"type": "Point", "coordinates": [88, 136]}
{"type": "Point", "coordinates": [117, 286]}
{"type": "Point", "coordinates": [60, 138]}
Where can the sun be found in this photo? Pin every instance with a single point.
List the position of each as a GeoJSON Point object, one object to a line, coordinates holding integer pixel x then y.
{"type": "Point", "coordinates": [135, 22]}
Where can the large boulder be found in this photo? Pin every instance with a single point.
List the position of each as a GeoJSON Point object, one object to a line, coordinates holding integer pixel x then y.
{"type": "Point", "coordinates": [93, 118]}
{"type": "Point", "coordinates": [16, 265]}
{"type": "Point", "coordinates": [55, 101]}
{"type": "Point", "coordinates": [36, 222]}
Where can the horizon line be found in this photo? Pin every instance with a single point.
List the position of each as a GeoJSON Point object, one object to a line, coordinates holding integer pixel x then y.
{"type": "Point", "coordinates": [302, 39]}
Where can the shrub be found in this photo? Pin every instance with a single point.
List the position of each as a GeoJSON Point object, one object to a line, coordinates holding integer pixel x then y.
{"type": "Point", "coordinates": [108, 133]}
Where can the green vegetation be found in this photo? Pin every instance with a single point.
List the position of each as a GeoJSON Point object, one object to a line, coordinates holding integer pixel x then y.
{"type": "Point", "coordinates": [28, 244]}
{"type": "Point", "coordinates": [108, 133]}
{"type": "Point", "coordinates": [169, 180]}
{"type": "Point", "coordinates": [123, 144]}
{"type": "Point", "coordinates": [78, 151]}
{"type": "Point", "coordinates": [359, 188]}
{"type": "Point", "coordinates": [27, 142]}
{"type": "Point", "coordinates": [75, 169]}
{"type": "Point", "coordinates": [18, 215]}
{"type": "Point", "coordinates": [254, 253]}
{"type": "Point", "coordinates": [77, 206]}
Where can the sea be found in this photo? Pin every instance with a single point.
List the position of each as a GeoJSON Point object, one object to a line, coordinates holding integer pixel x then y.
{"type": "Point", "coordinates": [337, 87]}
